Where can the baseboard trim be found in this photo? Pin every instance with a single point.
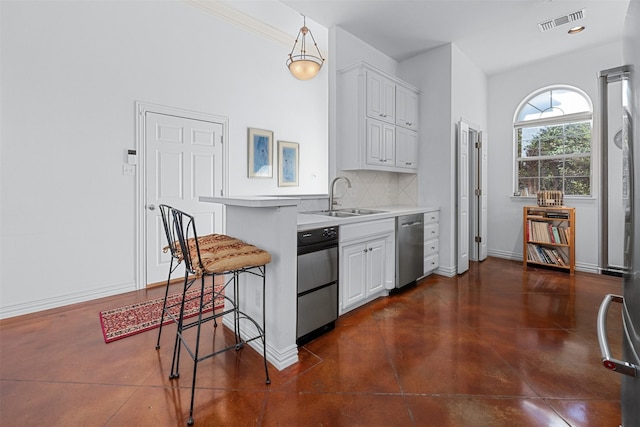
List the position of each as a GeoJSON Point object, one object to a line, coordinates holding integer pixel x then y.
{"type": "Point", "coordinates": [582, 266]}
{"type": "Point", "coordinates": [280, 358]}
{"type": "Point", "coordinates": [446, 271]}
{"type": "Point", "coordinates": [59, 301]}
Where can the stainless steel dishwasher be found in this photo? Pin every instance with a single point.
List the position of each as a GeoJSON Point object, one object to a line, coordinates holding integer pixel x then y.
{"type": "Point", "coordinates": [317, 282]}
{"type": "Point", "coordinates": [409, 249]}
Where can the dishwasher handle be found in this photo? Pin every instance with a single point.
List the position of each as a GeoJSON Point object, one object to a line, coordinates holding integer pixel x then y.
{"type": "Point", "coordinates": [411, 224]}
{"type": "Point", "coordinates": [608, 361]}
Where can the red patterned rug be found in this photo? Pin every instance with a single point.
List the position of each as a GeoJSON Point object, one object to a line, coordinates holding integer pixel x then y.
{"type": "Point", "coordinates": [133, 319]}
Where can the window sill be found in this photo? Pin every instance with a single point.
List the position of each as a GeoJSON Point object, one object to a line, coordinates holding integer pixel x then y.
{"type": "Point", "coordinates": [572, 198]}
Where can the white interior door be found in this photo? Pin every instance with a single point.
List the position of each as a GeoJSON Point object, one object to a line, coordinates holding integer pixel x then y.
{"type": "Point", "coordinates": [183, 161]}
{"type": "Point", "coordinates": [482, 199]}
{"type": "Point", "coordinates": [474, 185]}
{"type": "Point", "coordinates": [463, 197]}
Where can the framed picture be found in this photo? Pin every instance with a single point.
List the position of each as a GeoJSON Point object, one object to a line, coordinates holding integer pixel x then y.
{"type": "Point", "coordinates": [260, 153]}
{"type": "Point", "coordinates": [288, 156]}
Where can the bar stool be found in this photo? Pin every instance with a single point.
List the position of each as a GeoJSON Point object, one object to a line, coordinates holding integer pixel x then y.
{"type": "Point", "coordinates": [173, 247]}
{"type": "Point", "coordinates": [214, 255]}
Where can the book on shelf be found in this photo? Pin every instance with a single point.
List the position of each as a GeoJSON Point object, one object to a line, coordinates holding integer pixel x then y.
{"type": "Point", "coordinates": [544, 255]}
{"type": "Point", "coordinates": [558, 215]}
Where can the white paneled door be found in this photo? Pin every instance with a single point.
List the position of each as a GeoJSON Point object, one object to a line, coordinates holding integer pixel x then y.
{"type": "Point", "coordinates": [482, 198]}
{"type": "Point", "coordinates": [463, 197]}
{"type": "Point", "coordinates": [183, 161]}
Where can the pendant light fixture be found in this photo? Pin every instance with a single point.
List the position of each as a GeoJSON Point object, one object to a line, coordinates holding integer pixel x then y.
{"type": "Point", "coordinates": [304, 66]}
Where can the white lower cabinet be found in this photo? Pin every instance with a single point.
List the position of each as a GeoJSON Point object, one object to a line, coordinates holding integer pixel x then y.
{"type": "Point", "coordinates": [367, 262]}
{"type": "Point", "coordinates": [431, 241]}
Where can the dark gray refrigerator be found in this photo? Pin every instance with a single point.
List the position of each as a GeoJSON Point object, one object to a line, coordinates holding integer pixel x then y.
{"type": "Point", "coordinates": [626, 363]}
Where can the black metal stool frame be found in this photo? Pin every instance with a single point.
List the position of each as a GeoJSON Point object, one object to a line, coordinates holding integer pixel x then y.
{"type": "Point", "coordinates": [174, 263]}
{"type": "Point", "coordinates": [165, 213]}
{"type": "Point", "coordinates": [183, 227]}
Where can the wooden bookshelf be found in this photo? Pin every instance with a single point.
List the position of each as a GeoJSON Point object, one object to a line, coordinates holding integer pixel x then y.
{"type": "Point", "coordinates": [549, 237]}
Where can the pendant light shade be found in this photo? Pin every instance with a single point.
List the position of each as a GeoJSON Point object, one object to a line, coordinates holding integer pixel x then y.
{"type": "Point", "coordinates": [304, 66]}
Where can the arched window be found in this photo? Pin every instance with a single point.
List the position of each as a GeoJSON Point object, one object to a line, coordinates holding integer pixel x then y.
{"type": "Point", "coordinates": [552, 137]}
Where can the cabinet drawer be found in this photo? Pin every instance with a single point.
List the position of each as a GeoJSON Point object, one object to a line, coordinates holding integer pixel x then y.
{"type": "Point", "coordinates": [430, 263]}
{"type": "Point", "coordinates": [431, 217]}
{"type": "Point", "coordinates": [431, 247]}
{"type": "Point", "coordinates": [367, 229]}
{"type": "Point", "coordinates": [431, 231]}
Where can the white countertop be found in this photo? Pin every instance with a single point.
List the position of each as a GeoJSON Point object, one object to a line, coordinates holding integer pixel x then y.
{"type": "Point", "coordinates": [309, 221]}
{"type": "Point", "coordinates": [253, 201]}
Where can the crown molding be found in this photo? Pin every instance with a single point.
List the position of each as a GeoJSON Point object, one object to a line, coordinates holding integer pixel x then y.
{"type": "Point", "coordinates": [244, 21]}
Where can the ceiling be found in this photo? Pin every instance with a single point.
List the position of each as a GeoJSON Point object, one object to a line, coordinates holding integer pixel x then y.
{"type": "Point", "coordinates": [495, 34]}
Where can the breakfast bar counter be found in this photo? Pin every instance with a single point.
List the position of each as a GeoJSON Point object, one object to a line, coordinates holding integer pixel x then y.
{"type": "Point", "coordinates": [270, 223]}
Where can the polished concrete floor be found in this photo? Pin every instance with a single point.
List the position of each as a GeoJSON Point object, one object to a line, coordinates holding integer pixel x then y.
{"type": "Point", "coordinates": [493, 347]}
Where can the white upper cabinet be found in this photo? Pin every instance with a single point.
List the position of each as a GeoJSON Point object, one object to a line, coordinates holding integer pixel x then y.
{"type": "Point", "coordinates": [406, 108]}
{"type": "Point", "coordinates": [377, 121]}
{"type": "Point", "coordinates": [381, 146]}
{"type": "Point", "coordinates": [381, 97]}
{"type": "Point", "coordinates": [406, 148]}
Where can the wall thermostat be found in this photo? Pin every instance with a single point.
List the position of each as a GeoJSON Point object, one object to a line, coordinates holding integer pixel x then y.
{"type": "Point", "coordinates": [131, 157]}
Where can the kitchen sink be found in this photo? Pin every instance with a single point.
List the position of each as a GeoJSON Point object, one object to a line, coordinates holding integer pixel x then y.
{"type": "Point", "coordinates": [338, 214]}
{"type": "Point", "coordinates": [358, 211]}
{"type": "Point", "coordinates": [346, 213]}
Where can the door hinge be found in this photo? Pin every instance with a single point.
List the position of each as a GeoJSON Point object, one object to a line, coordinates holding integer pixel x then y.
{"type": "Point", "coordinates": [478, 192]}
{"type": "Point", "coordinates": [221, 193]}
{"type": "Point", "coordinates": [478, 145]}
{"type": "Point", "coordinates": [478, 239]}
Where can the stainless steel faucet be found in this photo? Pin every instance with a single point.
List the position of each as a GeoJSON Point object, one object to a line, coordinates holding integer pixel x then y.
{"type": "Point", "coordinates": [333, 189]}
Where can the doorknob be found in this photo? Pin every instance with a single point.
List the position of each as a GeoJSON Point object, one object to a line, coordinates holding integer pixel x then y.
{"type": "Point", "coordinates": [152, 207]}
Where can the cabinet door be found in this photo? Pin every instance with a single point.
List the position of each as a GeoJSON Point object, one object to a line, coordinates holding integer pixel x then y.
{"type": "Point", "coordinates": [352, 275]}
{"type": "Point", "coordinates": [406, 108]}
{"type": "Point", "coordinates": [376, 259]}
{"type": "Point", "coordinates": [381, 98]}
{"type": "Point", "coordinates": [380, 143]}
{"type": "Point", "coordinates": [406, 148]}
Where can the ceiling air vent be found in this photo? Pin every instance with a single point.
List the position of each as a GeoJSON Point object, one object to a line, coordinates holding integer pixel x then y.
{"type": "Point", "coordinates": [561, 20]}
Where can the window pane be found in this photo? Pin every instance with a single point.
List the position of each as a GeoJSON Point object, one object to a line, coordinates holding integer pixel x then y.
{"type": "Point", "coordinates": [555, 102]}
{"type": "Point", "coordinates": [528, 112]}
{"type": "Point", "coordinates": [553, 183]}
{"type": "Point", "coordinates": [551, 168]}
{"type": "Point", "coordinates": [528, 186]}
{"type": "Point", "coordinates": [570, 101]}
{"type": "Point", "coordinates": [577, 186]}
{"type": "Point", "coordinates": [578, 137]}
{"type": "Point", "coordinates": [528, 142]}
{"type": "Point", "coordinates": [579, 166]}
{"type": "Point", "coordinates": [528, 168]}
{"type": "Point", "coordinates": [551, 140]}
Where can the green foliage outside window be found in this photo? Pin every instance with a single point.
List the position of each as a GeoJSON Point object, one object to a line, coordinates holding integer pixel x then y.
{"type": "Point", "coordinates": [555, 157]}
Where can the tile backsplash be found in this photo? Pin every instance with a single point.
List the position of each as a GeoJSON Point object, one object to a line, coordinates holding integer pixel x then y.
{"type": "Point", "coordinates": [369, 189]}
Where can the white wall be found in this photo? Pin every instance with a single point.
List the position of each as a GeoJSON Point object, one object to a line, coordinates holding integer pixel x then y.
{"type": "Point", "coordinates": [71, 72]}
{"type": "Point", "coordinates": [506, 91]}
{"type": "Point", "coordinates": [350, 50]}
{"type": "Point", "coordinates": [452, 87]}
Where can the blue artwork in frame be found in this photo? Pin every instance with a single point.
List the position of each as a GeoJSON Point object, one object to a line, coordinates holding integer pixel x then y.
{"type": "Point", "coordinates": [260, 153]}
{"type": "Point", "coordinates": [288, 155]}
